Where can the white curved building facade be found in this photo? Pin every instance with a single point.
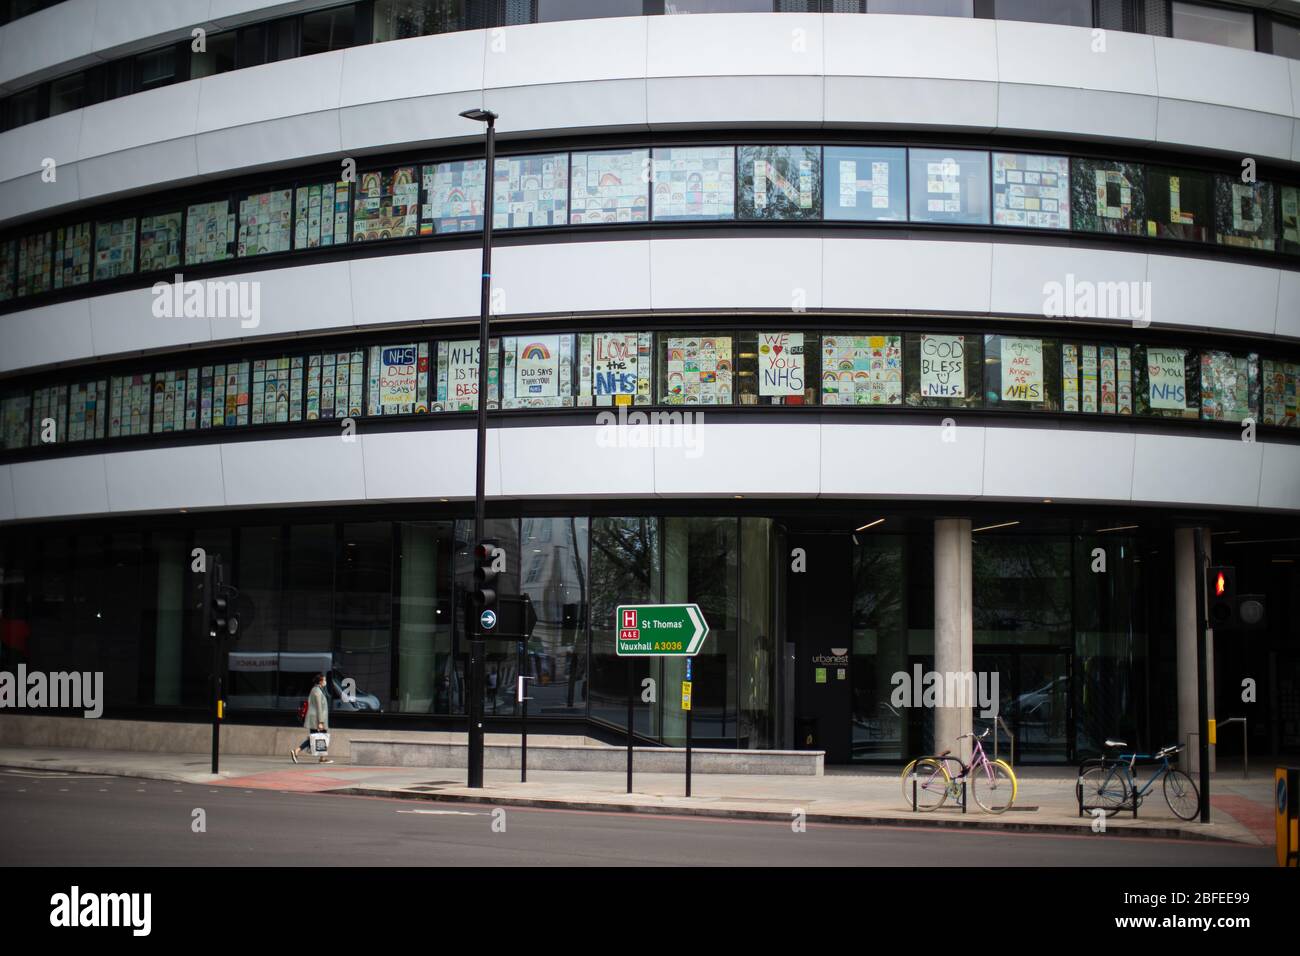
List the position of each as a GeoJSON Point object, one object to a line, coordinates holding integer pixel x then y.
{"type": "Point", "coordinates": [892, 340]}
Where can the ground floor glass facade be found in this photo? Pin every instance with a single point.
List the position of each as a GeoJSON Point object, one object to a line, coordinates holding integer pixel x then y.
{"type": "Point", "coordinates": [814, 615]}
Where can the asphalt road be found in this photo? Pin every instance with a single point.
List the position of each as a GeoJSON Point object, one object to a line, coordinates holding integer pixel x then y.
{"type": "Point", "coordinates": [74, 820]}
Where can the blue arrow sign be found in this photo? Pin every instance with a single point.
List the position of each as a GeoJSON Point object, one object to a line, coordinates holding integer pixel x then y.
{"type": "Point", "coordinates": [488, 619]}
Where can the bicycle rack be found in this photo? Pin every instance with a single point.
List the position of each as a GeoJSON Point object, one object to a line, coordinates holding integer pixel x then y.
{"type": "Point", "coordinates": [1078, 786]}
{"type": "Point", "coordinates": [963, 793]}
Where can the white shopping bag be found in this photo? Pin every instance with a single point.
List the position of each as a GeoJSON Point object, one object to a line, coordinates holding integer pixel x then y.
{"type": "Point", "coordinates": [320, 744]}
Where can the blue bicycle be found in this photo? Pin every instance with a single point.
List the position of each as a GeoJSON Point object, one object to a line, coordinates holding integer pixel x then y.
{"type": "Point", "coordinates": [1107, 783]}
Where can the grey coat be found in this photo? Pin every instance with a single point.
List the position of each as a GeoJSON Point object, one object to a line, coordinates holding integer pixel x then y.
{"type": "Point", "coordinates": [318, 709]}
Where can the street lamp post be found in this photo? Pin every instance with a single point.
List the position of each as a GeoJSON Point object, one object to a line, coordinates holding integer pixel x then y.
{"type": "Point", "coordinates": [477, 650]}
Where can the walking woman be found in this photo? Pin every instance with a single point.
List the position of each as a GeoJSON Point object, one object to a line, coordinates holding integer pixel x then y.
{"type": "Point", "coordinates": [317, 719]}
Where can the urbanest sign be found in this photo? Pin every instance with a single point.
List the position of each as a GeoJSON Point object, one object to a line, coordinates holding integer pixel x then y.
{"type": "Point", "coordinates": [660, 630]}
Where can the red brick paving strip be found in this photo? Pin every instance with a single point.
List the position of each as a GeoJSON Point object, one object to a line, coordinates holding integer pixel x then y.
{"type": "Point", "coordinates": [1255, 816]}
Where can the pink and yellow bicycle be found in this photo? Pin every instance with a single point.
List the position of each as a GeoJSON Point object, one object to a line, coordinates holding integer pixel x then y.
{"type": "Point", "coordinates": [991, 782]}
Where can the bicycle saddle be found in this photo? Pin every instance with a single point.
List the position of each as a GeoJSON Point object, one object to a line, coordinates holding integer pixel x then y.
{"type": "Point", "coordinates": [1116, 743]}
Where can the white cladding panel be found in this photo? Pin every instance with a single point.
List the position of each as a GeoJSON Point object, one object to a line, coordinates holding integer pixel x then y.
{"type": "Point", "coordinates": [701, 459]}
{"type": "Point", "coordinates": [786, 275]}
{"type": "Point", "coordinates": [724, 70]}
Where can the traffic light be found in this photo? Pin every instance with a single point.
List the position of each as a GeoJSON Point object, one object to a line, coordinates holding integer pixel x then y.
{"type": "Point", "coordinates": [220, 617]}
{"type": "Point", "coordinates": [1228, 609]}
{"type": "Point", "coordinates": [225, 612]}
{"type": "Point", "coordinates": [1221, 596]}
{"type": "Point", "coordinates": [487, 566]}
{"type": "Point", "coordinates": [202, 605]}
{"type": "Point", "coordinates": [1250, 612]}
{"type": "Point", "coordinates": [215, 601]}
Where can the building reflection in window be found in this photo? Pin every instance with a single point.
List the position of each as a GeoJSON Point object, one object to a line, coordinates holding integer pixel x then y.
{"type": "Point", "coordinates": [553, 574]}
{"type": "Point", "coordinates": [625, 569]}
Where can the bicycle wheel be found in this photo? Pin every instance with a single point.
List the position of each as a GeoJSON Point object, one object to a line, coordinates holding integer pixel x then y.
{"type": "Point", "coordinates": [1181, 795]}
{"type": "Point", "coordinates": [932, 783]}
{"type": "Point", "coordinates": [1102, 787]}
{"type": "Point", "coordinates": [1015, 781]}
{"type": "Point", "coordinates": [994, 786]}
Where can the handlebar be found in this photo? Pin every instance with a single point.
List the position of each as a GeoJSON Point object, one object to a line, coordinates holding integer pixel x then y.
{"type": "Point", "coordinates": [980, 737]}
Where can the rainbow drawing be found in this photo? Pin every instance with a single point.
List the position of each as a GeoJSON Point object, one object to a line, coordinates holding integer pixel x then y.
{"type": "Point", "coordinates": [535, 350]}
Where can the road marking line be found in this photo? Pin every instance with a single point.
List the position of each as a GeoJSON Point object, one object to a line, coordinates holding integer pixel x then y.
{"type": "Point", "coordinates": [445, 813]}
{"type": "Point", "coordinates": [40, 774]}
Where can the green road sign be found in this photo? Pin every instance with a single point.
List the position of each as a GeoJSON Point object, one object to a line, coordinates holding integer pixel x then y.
{"type": "Point", "coordinates": [660, 630]}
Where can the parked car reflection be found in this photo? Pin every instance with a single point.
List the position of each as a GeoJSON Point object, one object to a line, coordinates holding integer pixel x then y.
{"type": "Point", "coordinates": [268, 680]}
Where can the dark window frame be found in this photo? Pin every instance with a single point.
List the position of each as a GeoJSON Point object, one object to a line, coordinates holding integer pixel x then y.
{"type": "Point", "coordinates": [1194, 344]}
{"type": "Point", "coordinates": [493, 13]}
{"type": "Point", "coordinates": [232, 35]}
{"type": "Point", "coordinates": [85, 92]}
{"type": "Point", "coordinates": [180, 54]}
{"type": "Point", "coordinates": [1281, 255]}
{"type": "Point", "coordinates": [1214, 5]}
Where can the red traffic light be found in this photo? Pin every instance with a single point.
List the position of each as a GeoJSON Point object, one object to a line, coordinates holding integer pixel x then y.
{"type": "Point", "coordinates": [1221, 597]}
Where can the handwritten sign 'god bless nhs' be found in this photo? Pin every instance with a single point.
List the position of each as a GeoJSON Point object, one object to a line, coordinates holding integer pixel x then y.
{"type": "Point", "coordinates": [943, 366]}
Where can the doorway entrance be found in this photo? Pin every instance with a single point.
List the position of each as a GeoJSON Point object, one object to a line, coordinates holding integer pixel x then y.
{"type": "Point", "coordinates": [819, 599]}
{"type": "Point", "coordinates": [851, 632]}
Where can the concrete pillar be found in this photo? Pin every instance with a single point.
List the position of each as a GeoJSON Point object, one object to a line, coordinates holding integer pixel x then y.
{"type": "Point", "coordinates": [954, 622]}
{"type": "Point", "coordinates": [417, 634]}
{"type": "Point", "coordinates": [671, 719]}
{"type": "Point", "coordinates": [1186, 572]}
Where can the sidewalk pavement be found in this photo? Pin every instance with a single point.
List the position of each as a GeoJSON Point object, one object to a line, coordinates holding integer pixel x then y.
{"type": "Point", "coordinates": [1242, 810]}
